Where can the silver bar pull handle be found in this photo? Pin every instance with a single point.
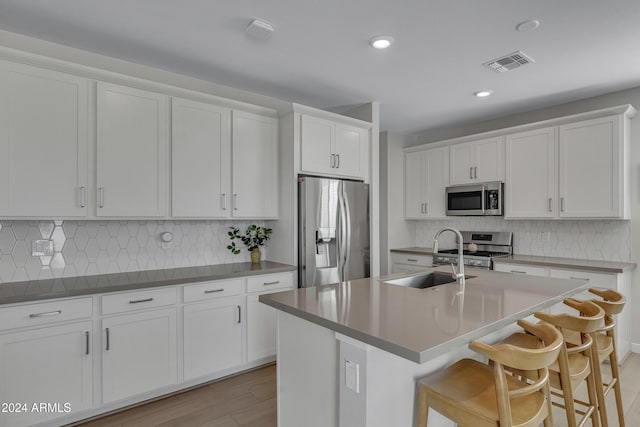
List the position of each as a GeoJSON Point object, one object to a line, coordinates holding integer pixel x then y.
{"type": "Point", "coordinates": [236, 202]}
{"type": "Point", "coordinates": [426, 209]}
{"type": "Point", "coordinates": [270, 283]}
{"type": "Point", "coordinates": [475, 172]}
{"type": "Point", "coordinates": [518, 272]}
{"type": "Point", "coordinates": [484, 193]}
{"type": "Point", "coordinates": [470, 172]}
{"type": "Point", "coordinates": [239, 313]}
{"type": "Point", "coordinates": [83, 197]}
{"type": "Point", "coordinates": [137, 301]}
{"type": "Point", "coordinates": [337, 161]}
{"type": "Point", "coordinates": [106, 331]}
{"type": "Point", "coordinates": [101, 203]}
{"type": "Point", "coordinates": [46, 314]}
{"type": "Point", "coordinates": [224, 201]}
{"type": "Point", "coordinates": [333, 161]}
{"type": "Point", "coordinates": [561, 204]}
{"type": "Point", "coordinates": [86, 338]}
{"type": "Point", "coordinates": [212, 291]}
{"type": "Point", "coordinates": [550, 204]}
{"type": "Point", "coordinates": [412, 260]}
{"type": "Point", "coordinates": [579, 278]}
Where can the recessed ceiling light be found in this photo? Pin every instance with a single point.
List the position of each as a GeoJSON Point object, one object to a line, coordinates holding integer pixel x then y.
{"type": "Point", "coordinates": [381, 42]}
{"type": "Point", "coordinates": [529, 25]}
{"type": "Point", "coordinates": [483, 93]}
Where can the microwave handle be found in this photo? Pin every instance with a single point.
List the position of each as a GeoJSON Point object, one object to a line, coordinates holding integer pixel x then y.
{"type": "Point", "coordinates": [484, 195]}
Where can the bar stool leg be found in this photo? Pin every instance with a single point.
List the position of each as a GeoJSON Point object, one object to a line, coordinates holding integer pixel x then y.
{"type": "Point", "coordinates": [423, 408]}
{"type": "Point", "coordinates": [602, 407]}
{"type": "Point", "coordinates": [548, 422]}
{"type": "Point", "coordinates": [591, 390]}
{"type": "Point", "coordinates": [613, 361]}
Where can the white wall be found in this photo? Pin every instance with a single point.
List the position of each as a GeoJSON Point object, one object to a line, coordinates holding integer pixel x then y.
{"type": "Point", "coordinates": [395, 232]}
{"type": "Point", "coordinates": [616, 236]}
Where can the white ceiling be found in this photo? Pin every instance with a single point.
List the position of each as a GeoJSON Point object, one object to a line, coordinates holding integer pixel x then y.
{"type": "Point", "coordinates": [319, 54]}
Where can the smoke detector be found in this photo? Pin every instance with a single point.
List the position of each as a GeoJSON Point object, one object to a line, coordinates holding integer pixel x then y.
{"type": "Point", "coordinates": [260, 29]}
{"type": "Point", "coordinates": [509, 62]}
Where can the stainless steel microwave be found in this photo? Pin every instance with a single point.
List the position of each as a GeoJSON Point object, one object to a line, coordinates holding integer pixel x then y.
{"type": "Point", "coordinates": [475, 199]}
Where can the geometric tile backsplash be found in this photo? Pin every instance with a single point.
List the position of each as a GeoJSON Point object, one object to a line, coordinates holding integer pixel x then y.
{"type": "Point", "coordinates": [602, 240]}
{"type": "Point", "coordinates": [99, 247]}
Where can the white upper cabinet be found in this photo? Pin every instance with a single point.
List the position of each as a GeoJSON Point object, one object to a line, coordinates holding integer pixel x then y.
{"type": "Point", "coordinates": [200, 160]}
{"type": "Point", "coordinates": [530, 188]}
{"type": "Point", "coordinates": [591, 177]}
{"type": "Point", "coordinates": [477, 161]}
{"type": "Point", "coordinates": [426, 178]}
{"type": "Point", "coordinates": [43, 145]}
{"type": "Point", "coordinates": [255, 166]}
{"type": "Point", "coordinates": [131, 152]}
{"type": "Point", "coordinates": [333, 148]}
{"type": "Point", "coordinates": [575, 170]}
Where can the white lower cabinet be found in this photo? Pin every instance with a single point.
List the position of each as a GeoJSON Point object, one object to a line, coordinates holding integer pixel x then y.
{"type": "Point", "coordinates": [407, 263]}
{"type": "Point", "coordinates": [262, 319]}
{"type": "Point", "coordinates": [139, 353]}
{"type": "Point", "coordinates": [212, 337]}
{"type": "Point", "coordinates": [51, 365]}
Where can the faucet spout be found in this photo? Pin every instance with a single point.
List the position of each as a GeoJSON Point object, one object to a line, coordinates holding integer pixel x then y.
{"type": "Point", "coordinates": [459, 274]}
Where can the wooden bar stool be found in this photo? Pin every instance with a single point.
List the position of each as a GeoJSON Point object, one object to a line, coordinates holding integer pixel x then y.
{"type": "Point", "coordinates": [612, 303]}
{"type": "Point", "coordinates": [475, 394]}
{"type": "Point", "coordinates": [576, 361]}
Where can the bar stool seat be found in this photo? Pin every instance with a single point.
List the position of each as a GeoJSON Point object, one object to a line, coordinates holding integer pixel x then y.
{"type": "Point", "coordinates": [472, 393]}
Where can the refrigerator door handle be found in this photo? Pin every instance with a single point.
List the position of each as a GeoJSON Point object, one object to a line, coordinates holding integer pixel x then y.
{"type": "Point", "coordinates": [347, 229]}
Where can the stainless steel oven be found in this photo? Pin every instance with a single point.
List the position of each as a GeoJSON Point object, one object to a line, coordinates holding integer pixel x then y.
{"type": "Point", "coordinates": [475, 199]}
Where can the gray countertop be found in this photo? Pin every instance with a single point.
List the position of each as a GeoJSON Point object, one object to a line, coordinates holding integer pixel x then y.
{"type": "Point", "coordinates": [544, 261]}
{"type": "Point", "coordinates": [421, 324]}
{"type": "Point", "coordinates": [15, 292]}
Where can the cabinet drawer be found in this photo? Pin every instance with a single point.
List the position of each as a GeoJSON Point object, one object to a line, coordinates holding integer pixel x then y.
{"type": "Point", "coordinates": [43, 313]}
{"type": "Point", "coordinates": [138, 300]}
{"type": "Point", "coordinates": [420, 260]}
{"type": "Point", "coordinates": [520, 269]}
{"type": "Point", "coordinates": [599, 280]}
{"type": "Point", "coordinates": [268, 282]}
{"type": "Point", "coordinates": [212, 290]}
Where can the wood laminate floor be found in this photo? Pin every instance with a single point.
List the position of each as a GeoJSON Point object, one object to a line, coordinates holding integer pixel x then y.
{"type": "Point", "coordinates": [250, 400]}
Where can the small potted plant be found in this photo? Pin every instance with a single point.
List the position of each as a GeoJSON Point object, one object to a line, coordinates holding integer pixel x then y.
{"type": "Point", "coordinates": [253, 237]}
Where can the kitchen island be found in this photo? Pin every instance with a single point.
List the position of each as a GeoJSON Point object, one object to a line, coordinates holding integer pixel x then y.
{"type": "Point", "coordinates": [349, 353]}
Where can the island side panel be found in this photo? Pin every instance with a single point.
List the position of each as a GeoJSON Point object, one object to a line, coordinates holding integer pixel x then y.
{"type": "Point", "coordinates": [307, 374]}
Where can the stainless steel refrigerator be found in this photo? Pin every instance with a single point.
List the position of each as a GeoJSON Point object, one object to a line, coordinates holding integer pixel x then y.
{"type": "Point", "coordinates": [333, 230]}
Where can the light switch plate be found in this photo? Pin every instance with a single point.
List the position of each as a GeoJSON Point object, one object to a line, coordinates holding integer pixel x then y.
{"type": "Point", "coordinates": [41, 247]}
{"type": "Point", "coordinates": [352, 375]}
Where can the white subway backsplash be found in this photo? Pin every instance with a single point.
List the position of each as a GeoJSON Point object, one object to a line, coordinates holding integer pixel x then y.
{"type": "Point", "coordinates": [100, 247]}
{"type": "Point", "coordinates": [590, 239]}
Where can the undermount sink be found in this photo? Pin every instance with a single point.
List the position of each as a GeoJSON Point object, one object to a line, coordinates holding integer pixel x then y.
{"type": "Point", "coordinates": [423, 281]}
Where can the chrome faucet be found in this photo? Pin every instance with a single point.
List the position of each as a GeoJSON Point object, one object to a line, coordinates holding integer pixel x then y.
{"type": "Point", "coordinates": [459, 274]}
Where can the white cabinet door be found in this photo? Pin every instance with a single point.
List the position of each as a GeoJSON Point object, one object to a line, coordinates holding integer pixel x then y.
{"type": "Point", "coordinates": [212, 337]}
{"type": "Point", "coordinates": [316, 145]}
{"type": "Point", "coordinates": [200, 160]}
{"type": "Point", "coordinates": [255, 166]}
{"type": "Point", "coordinates": [332, 148]}
{"type": "Point", "coordinates": [49, 365]}
{"type": "Point", "coordinates": [348, 146]}
{"type": "Point", "coordinates": [437, 179]}
{"type": "Point", "coordinates": [414, 176]}
{"type": "Point", "coordinates": [462, 159]}
{"type": "Point", "coordinates": [139, 353]}
{"type": "Point", "coordinates": [530, 187]}
{"type": "Point", "coordinates": [477, 161]}
{"type": "Point", "coordinates": [43, 144]}
{"type": "Point", "coordinates": [131, 152]}
{"type": "Point", "coordinates": [261, 328]}
{"type": "Point", "coordinates": [489, 160]}
{"type": "Point", "coordinates": [591, 169]}
{"type": "Point", "coordinates": [426, 179]}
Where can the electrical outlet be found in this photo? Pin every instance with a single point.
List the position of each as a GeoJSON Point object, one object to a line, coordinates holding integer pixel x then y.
{"type": "Point", "coordinates": [41, 247]}
{"type": "Point", "coordinates": [352, 375]}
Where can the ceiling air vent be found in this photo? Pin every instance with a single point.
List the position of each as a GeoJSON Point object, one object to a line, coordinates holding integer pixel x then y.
{"type": "Point", "coordinates": [508, 62]}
